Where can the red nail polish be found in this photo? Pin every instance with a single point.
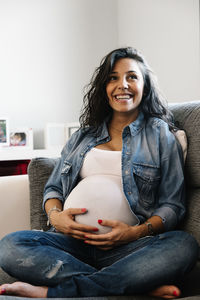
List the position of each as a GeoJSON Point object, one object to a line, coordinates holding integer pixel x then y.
{"type": "Point", "coordinates": [175, 293]}
{"type": "Point", "coordinates": [83, 209]}
{"type": "Point", "coordinates": [95, 229]}
{"type": "Point", "coordinates": [100, 221]}
{"type": "Point", "coordinates": [3, 291]}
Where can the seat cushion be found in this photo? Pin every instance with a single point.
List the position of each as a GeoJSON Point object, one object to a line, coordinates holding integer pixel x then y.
{"type": "Point", "coordinates": [190, 285]}
{"type": "Point", "coordinates": [5, 278]}
{"type": "Point", "coordinates": [191, 222]}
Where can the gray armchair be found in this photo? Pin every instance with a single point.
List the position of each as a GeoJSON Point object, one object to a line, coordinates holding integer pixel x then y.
{"type": "Point", "coordinates": [188, 117]}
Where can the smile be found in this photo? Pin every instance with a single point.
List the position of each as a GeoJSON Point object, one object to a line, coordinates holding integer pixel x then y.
{"type": "Point", "coordinates": [124, 97]}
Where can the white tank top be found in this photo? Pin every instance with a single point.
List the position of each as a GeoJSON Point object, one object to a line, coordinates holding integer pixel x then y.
{"type": "Point", "coordinates": [100, 191]}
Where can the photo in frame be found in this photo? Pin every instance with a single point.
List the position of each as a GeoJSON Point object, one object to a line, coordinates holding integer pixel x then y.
{"type": "Point", "coordinates": [4, 132]}
{"type": "Point", "coordinates": [21, 138]}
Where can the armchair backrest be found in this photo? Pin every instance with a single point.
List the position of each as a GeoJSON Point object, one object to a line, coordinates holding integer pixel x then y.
{"type": "Point", "coordinates": [188, 117]}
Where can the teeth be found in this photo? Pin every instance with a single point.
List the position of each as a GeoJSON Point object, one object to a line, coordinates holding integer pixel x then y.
{"type": "Point", "coordinates": [123, 97]}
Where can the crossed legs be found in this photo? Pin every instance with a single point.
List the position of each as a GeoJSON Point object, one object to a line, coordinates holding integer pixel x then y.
{"type": "Point", "coordinates": [54, 265]}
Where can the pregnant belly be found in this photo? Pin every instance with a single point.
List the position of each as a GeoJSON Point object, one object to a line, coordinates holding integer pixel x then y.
{"type": "Point", "coordinates": [104, 199]}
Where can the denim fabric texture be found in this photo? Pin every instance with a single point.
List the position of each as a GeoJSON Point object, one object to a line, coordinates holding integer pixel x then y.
{"type": "Point", "coordinates": [152, 169]}
{"type": "Point", "coordinates": [71, 268]}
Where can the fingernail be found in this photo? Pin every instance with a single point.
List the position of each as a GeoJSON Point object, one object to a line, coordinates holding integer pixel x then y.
{"type": "Point", "coordinates": [100, 221]}
{"type": "Point", "coordinates": [175, 293]}
{"type": "Point", "coordinates": [3, 291]}
{"type": "Point", "coordinates": [95, 229]}
{"type": "Point", "coordinates": [85, 236]}
{"type": "Point", "coordinates": [83, 209]}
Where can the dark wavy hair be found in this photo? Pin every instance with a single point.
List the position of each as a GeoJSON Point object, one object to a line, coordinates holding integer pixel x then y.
{"type": "Point", "coordinates": [96, 108]}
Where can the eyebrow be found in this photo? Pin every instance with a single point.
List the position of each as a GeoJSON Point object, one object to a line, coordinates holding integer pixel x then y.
{"type": "Point", "coordinates": [131, 71]}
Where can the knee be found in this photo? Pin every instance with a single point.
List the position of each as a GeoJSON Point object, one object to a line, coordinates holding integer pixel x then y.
{"type": "Point", "coordinates": [7, 242]}
{"type": "Point", "coordinates": [10, 239]}
{"type": "Point", "coordinates": [192, 247]}
{"type": "Point", "coordinates": [188, 243]}
{"type": "Point", "coordinates": [186, 248]}
{"type": "Point", "coordinates": [8, 247]}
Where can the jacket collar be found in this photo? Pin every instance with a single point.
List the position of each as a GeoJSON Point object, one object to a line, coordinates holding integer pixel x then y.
{"type": "Point", "coordinates": [103, 132]}
{"type": "Point", "coordinates": [137, 125]}
{"type": "Point", "coordinates": [134, 127]}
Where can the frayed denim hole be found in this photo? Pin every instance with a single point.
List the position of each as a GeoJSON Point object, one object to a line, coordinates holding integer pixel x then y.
{"type": "Point", "coordinates": [53, 270]}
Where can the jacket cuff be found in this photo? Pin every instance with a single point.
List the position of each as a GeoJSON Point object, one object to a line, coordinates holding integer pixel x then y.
{"type": "Point", "coordinates": [51, 195]}
{"type": "Point", "coordinates": [168, 217]}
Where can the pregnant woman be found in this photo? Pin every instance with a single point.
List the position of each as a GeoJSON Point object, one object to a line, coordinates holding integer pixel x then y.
{"type": "Point", "coordinates": [114, 199]}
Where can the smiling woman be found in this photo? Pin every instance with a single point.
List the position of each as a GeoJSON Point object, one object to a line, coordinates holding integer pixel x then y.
{"type": "Point", "coordinates": [123, 171]}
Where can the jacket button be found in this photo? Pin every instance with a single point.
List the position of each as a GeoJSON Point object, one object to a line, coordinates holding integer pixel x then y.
{"type": "Point", "coordinates": [129, 193]}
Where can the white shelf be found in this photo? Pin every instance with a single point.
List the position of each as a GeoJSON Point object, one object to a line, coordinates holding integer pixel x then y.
{"type": "Point", "coordinates": [23, 154]}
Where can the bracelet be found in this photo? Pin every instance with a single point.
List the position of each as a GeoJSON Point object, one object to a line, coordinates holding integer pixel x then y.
{"type": "Point", "coordinates": [150, 228]}
{"type": "Point", "coordinates": [55, 208]}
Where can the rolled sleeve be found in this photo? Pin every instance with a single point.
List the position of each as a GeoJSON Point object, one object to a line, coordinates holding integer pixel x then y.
{"type": "Point", "coordinates": [168, 216]}
{"type": "Point", "coordinates": [50, 195]}
{"type": "Point", "coordinates": [53, 187]}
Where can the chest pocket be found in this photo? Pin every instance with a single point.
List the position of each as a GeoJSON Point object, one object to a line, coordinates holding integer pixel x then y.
{"type": "Point", "coordinates": [147, 179]}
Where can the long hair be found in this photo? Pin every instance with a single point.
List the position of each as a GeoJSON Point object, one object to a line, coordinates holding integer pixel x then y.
{"type": "Point", "coordinates": [96, 108]}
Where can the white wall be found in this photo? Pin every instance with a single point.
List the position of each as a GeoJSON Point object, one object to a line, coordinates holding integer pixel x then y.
{"type": "Point", "coordinates": [49, 49]}
{"type": "Point", "coordinates": [167, 33]}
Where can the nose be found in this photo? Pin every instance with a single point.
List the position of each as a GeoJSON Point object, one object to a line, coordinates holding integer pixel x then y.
{"type": "Point", "coordinates": [123, 84]}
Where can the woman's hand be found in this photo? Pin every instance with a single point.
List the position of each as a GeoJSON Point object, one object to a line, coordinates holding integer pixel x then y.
{"type": "Point", "coordinates": [121, 234]}
{"type": "Point", "coordinates": [64, 222]}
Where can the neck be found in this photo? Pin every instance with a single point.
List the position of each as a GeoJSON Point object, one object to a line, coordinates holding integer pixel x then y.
{"type": "Point", "coordinates": [119, 121]}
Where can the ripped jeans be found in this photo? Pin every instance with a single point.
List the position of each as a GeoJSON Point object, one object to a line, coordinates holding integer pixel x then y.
{"type": "Point", "coordinates": [71, 268]}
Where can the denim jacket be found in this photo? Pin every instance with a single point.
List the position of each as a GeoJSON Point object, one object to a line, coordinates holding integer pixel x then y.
{"type": "Point", "coordinates": [152, 169]}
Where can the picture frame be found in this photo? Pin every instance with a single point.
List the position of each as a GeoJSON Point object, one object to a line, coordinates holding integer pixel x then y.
{"type": "Point", "coordinates": [4, 132]}
{"type": "Point", "coordinates": [57, 134]}
{"type": "Point", "coordinates": [71, 128]}
{"type": "Point", "coordinates": [21, 138]}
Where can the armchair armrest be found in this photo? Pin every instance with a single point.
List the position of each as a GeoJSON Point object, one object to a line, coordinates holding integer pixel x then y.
{"type": "Point", "coordinates": [39, 171]}
{"type": "Point", "coordinates": [15, 204]}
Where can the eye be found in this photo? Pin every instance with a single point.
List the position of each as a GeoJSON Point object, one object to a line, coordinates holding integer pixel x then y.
{"type": "Point", "coordinates": [132, 76]}
{"type": "Point", "coordinates": [112, 78]}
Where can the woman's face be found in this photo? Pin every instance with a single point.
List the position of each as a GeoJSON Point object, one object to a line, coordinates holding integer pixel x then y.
{"type": "Point", "coordinates": [125, 87]}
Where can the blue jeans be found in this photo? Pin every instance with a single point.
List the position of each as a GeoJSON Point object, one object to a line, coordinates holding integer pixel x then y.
{"type": "Point", "coordinates": [71, 268]}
